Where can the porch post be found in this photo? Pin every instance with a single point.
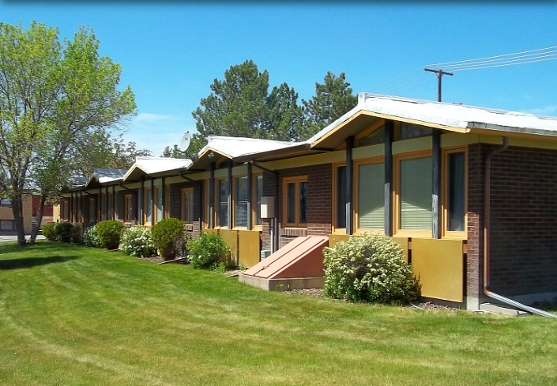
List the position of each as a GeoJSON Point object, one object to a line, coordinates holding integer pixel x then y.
{"type": "Point", "coordinates": [141, 203]}
{"type": "Point", "coordinates": [212, 196]}
{"type": "Point", "coordinates": [249, 224]}
{"type": "Point", "coordinates": [229, 198]}
{"type": "Point", "coordinates": [388, 162]}
{"type": "Point", "coordinates": [435, 181]}
{"type": "Point", "coordinates": [349, 185]}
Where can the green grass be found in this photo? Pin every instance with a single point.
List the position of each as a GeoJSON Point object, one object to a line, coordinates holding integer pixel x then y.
{"type": "Point", "coordinates": [72, 315]}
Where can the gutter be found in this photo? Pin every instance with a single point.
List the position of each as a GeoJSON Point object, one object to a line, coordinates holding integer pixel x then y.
{"type": "Point", "coordinates": [486, 235]}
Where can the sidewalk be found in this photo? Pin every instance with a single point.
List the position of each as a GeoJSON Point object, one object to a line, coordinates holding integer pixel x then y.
{"type": "Point", "coordinates": [14, 237]}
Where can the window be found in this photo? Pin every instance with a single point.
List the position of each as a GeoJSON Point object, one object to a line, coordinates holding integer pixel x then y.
{"type": "Point", "coordinates": [414, 192]}
{"type": "Point", "coordinates": [7, 225]}
{"type": "Point", "coordinates": [110, 207]}
{"type": "Point", "coordinates": [370, 205]}
{"type": "Point", "coordinates": [92, 209]}
{"type": "Point", "coordinates": [411, 130]}
{"type": "Point", "coordinates": [455, 191]}
{"type": "Point", "coordinates": [339, 182]}
{"type": "Point", "coordinates": [241, 202]}
{"type": "Point", "coordinates": [160, 205]}
{"type": "Point", "coordinates": [258, 191]}
{"type": "Point", "coordinates": [128, 207]}
{"type": "Point", "coordinates": [187, 205]}
{"type": "Point", "coordinates": [222, 196]}
{"type": "Point", "coordinates": [374, 138]}
{"type": "Point", "coordinates": [5, 202]}
{"type": "Point", "coordinates": [295, 197]}
{"type": "Point", "coordinates": [149, 206]}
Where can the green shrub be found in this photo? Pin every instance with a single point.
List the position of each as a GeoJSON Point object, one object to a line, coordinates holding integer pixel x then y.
{"type": "Point", "coordinates": [109, 232]}
{"type": "Point", "coordinates": [77, 233]}
{"type": "Point", "coordinates": [370, 268]}
{"type": "Point", "coordinates": [64, 231]}
{"type": "Point", "coordinates": [137, 241]}
{"type": "Point", "coordinates": [91, 237]}
{"type": "Point", "coordinates": [209, 251]}
{"type": "Point", "coordinates": [49, 232]}
{"type": "Point", "coordinates": [170, 238]}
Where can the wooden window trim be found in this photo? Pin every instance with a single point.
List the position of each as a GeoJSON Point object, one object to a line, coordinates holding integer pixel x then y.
{"type": "Point", "coordinates": [445, 190]}
{"type": "Point", "coordinates": [356, 184]}
{"type": "Point", "coordinates": [296, 180]}
{"type": "Point", "coordinates": [146, 206]}
{"type": "Point", "coordinates": [234, 199]}
{"type": "Point", "coordinates": [217, 202]}
{"type": "Point", "coordinates": [127, 214]}
{"type": "Point", "coordinates": [396, 194]}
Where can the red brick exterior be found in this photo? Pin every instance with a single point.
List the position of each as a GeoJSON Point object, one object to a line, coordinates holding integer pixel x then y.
{"type": "Point", "coordinates": [524, 221]}
{"type": "Point", "coordinates": [319, 201]}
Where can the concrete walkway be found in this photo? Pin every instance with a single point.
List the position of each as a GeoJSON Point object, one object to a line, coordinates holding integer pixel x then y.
{"type": "Point", "coordinates": [14, 237]}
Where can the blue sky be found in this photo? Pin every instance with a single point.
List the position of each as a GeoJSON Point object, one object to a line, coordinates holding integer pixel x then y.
{"type": "Point", "coordinates": [171, 52]}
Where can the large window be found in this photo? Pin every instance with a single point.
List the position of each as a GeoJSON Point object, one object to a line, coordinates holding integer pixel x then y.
{"type": "Point", "coordinates": [187, 205]}
{"type": "Point", "coordinates": [222, 196]}
{"type": "Point", "coordinates": [149, 206]}
{"type": "Point", "coordinates": [295, 199]}
{"type": "Point", "coordinates": [5, 202]}
{"type": "Point", "coordinates": [128, 207]}
{"type": "Point", "coordinates": [160, 204]}
{"type": "Point", "coordinates": [414, 193]}
{"type": "Point", "coordinates": [455, 191]}
{"type": "Point", "coordinates": [241, 202]}
{"type": "Point", "coordinates": [370, 212]}
{"type": "Point", "coordinates": [92, 209]}
{"type": "Point", "coordinates": [258, 192]}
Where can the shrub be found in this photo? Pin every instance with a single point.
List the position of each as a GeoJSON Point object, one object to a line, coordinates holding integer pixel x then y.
{"type": "Point", "coordinates": [49, 232]}
{"type": "Point", "coordinates": [138, 242]}
{"type": "Point", "coordinates": [208, 251]}
{"type": "Point", "coordinates": [170, 237]}
{"type": "Point", "coordinates": [91, 237]}
{"type": "Point", "coordinates": [370, 268]}
{"type": "Point", "coordinates": [109, 232]}
{"type": "Point", "coordinates": [64, 231]}
{"type": "Point", "coordinates": [77, 233]}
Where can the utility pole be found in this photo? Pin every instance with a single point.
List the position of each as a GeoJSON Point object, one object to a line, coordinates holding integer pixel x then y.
{"type": "Point", "coordinates": [439, 74]}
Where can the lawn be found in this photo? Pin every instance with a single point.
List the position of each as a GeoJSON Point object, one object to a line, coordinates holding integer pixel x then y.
{"type": "Point", "coordinates": [71, 315]}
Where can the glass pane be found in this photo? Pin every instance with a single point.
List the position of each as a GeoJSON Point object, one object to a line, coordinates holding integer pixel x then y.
{"type": "Point", "coordinates": [410, 130]}
{"type": "Point", "coordinates": [149, 205]}
{"type": "Point", "coordinates": [241, 202]}
{"type": "Point", "coordinates": [371, 196]}
{"type": "Point", "coordinates": [341, 197]}
{"type": "Point", "coordinates": [291, 203]}
{"type": "Point", "coordinates": [374, 138]}
{"type": "Point", "coordinates": [186, 206]}
{"type": "Point", "coordinates": [258, 195]}
{"type": "Point", "coordinates": [415, 194]}
{"type": "Point", "coordinates": [303, 203]}
{"type": "Point", "coordinates": [160, 214]}
{"type": "Point", "coordinates": [222, 213]}
{"type": "Point", "coordinates": [456, 200]}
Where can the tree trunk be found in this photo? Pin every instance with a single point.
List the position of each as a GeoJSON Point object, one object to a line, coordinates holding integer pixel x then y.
{"type": "Point", "coordinates": [17, 210]}
{"type": "Point", "coordinates": [38, 219]}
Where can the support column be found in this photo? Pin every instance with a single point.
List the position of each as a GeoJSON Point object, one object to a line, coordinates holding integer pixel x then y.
{"type": "Point", "coordinates": [229, 198]}
{"type": "Point", "coordinates": [212, 196]}
{"type": "Point", "coordinates": [436, 184]}
{"type": "Point", "coordinates": [249, 224]}
{"type": "Point", "coordinates": [388, 162]}
{"type": "Point", "coordinates": [349, 186]}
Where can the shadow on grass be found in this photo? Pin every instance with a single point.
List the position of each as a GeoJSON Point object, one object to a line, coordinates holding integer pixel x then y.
{"type": "Point", "coordinates": [31, 262]}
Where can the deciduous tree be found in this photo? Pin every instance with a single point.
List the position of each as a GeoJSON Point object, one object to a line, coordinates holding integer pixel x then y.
{"type": "Point", "coordinates": [59, 102]}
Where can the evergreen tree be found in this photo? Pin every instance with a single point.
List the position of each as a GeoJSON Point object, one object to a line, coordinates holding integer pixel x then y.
{"type": "Point", "coordinates": [332, 99]}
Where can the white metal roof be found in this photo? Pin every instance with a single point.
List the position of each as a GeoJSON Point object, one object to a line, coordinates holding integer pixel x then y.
{"type": "Point", "coordinates": [457, 117]}
{"type": "Point", "coordinates": [150, 165]}
{"type": "Point", "coordinates": [239, 146]}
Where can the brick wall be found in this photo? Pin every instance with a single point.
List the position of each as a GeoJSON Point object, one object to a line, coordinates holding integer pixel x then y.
{"type": "Point", "coordinates": [175, 210]}
{"type": "Point", "coordinates": [524, 221]}
{"type": "Point", "coordinates": [319, 201]}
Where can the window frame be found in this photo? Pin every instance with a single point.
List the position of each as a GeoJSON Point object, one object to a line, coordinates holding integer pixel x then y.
{"type": "Point", "coordinates": [445, 192]}
{"type": "Point", "coordinates": [148, 206]}
{"type": "Point", "coordinates": [235, 200]}
{"type": "Point", "coordinates": [4, 203]}
{"type": "Point", "coordinates": [396, 194]}
{"type": "Point", "coordinates": [128, 199]}
{"type": "Point", "coordinates": [256, 205]}
{"type": "Point", "coordinates": [189, 192]}
{"type": "Point", "coordinates": [218, 202]}
{"type": "Point", "coordinates": [356, 184]}
{"type": "Point", "coordinates": [297, 180]}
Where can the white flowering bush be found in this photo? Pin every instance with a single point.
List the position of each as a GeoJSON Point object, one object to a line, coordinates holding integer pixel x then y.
{"type": "Point", "coordinates": [370, 268]}
{"type": "Point", "coordinates": [91, 237]}
{"type": "Point", "coordinates": [138, 242]}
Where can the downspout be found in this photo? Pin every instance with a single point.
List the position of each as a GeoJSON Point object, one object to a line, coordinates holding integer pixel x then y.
{"type": "Point", "coordinates": [275, 238]}
{"type": "Point", "coordinates": [487, 229]}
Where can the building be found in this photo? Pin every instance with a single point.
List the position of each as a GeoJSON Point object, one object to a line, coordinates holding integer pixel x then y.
{"type": "Point", "coordinates": [470, 193]}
